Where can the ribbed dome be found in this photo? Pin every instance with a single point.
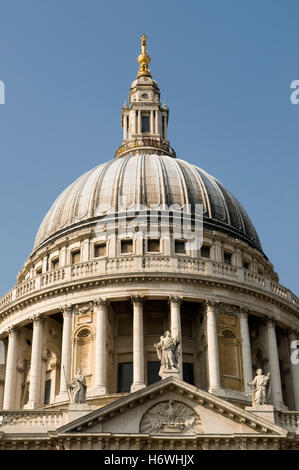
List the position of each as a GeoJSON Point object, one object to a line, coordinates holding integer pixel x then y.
{"type": "Point", "coordinates": [147, 179]}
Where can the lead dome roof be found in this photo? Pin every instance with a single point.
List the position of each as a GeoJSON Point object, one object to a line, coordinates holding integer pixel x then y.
{"type": "Point", "coordinates": [147, 179]}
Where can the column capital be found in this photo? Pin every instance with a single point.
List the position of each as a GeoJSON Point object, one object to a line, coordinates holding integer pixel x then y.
{"type": "Point", "coordinates": [37, 317]}
{"type": "Point", "coordinates": [66, 309]}
{"type": "Point", "coordinates": [244, 310]}
{"type": "Point", "coordinates": [101, 301]}
{"type": "Point", "coordinates": [137, 299]}
{"type": "Point", "coordinates": [271, 322]}
{"type": "Point", "coordinates": [175, 299]}
{"type": "Point", "coordinates": [211, 303]}
{"type": "Point", "coordinates": [293, 334]}
{"type": "Point", "coordinates": [11, 329]}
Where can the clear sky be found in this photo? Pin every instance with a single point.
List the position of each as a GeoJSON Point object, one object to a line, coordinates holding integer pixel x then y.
{"type": "Point", "coordinates": [223, 67]}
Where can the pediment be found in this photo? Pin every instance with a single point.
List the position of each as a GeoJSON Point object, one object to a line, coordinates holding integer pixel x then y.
{"type": "Point", "coordinates": [171, 407]}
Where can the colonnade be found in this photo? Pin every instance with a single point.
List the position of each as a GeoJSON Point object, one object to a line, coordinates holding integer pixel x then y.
{"type": "Point", "coordinates": [100, 380]}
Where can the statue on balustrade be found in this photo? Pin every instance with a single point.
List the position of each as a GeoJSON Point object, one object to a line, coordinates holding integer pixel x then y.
{"type": "Point", "coordinates": [78, 388]}
{"type": "Point", "coordinates": [260, 388]}
{"type": "Point", "coordinates": [168, 354]}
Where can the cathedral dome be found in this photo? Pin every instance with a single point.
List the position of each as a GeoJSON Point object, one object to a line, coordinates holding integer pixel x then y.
{"type": "Point", "coordinates": [149, 180]}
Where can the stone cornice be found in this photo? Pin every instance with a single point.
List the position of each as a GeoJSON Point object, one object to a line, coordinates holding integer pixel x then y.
{"type": "Point", "coordinates": [173, 278]}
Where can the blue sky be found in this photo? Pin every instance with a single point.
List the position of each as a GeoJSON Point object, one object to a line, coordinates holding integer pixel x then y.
{"type": "Point", "coordinates": [223, 67]}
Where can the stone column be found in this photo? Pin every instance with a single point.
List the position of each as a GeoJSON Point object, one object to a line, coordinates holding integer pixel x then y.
{"type": "Point", "coordinates": [100, 384]}
{"type": "Point", "coordinates": [274, 365]}
{"type": "Point", "coordinates": [63, 257]}
{"type": "Point", "coordinates": [246, 350]}
{"type": "Point", "coordinates": [152, 127]}
{"type": "Point", "coordinates": [294, 353]}
{"type": "Point", "coordinates": [85, 249]}
{"type": "Point", "coordinates": [45, 263]}
{"type": "Point", "coordinates": [139, 127]}
{"type": "Point", "coordinates": [138, 350]}
{"type": "Point", "coordinates": [36, 363]}
{"type": "Point", "coordinates": [125, 127]}
{"type": "Point", "coordinates": [176, 330]}
{"type": "Point", "coordinates": [165, 127]}
{"type": "Point", "coordinates": [66, 353]}
{"type": "Point", "coordinates": [213, 354]}
{"type": "Point", "coordinates": [11, 370]}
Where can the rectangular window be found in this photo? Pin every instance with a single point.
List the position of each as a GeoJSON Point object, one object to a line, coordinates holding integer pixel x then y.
{"type": "Point", "coordinates": [153, 246]}
{"type": "Point", "coordinates": [153, 368]}
{"type": "Point", "coordinates": [127, 246]}
{"type": "Point", "coordinates": [76, 257]}
{"type": "Point", "coordinates": [205, 251]}
{"type": "Point", "coordinates": [227, 258]}
{"type": "Point", "coordinates": [100, 250]}
{"type": "Point", "coordinates": [180, 247]}
{"type": "Point", "coordinates": [47, 392]}
{"type": "Point", "coordinates": [188, 373]}
{"type": "Point", "coordinates": [145, 123]}
{"type": "Point", "coordinates": [124, 377]}
{"type": "Point", "coordinates": [245, 265]}
{"type": "Point", "coordinates": [55, 263]}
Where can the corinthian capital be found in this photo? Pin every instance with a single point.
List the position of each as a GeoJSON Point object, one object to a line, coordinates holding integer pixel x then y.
{"type": "Point", "coordinates": [101, 301]}
{"type": "Point", "coordinates": [66, 309]}
{"type": "Point", "coordinates": [137, 299]}
{"type": "Point", "coordinates": [244, 309]}
{"type": "Point", "coordinates": [271, 322]}
{"type": "Point", "coordinates": [11, 329]}
{"type": "Point", "coordinates": [211, 303]}
{"type": "Point", "coordinates": [175, 299]}
{"type": "Point", "coordinates": [37, 317]}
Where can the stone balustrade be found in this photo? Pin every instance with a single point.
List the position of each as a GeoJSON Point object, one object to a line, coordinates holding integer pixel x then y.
{"type": "Point", "coordinates": [148, 263]}
{"type": "Point", "coordinates": [289, 420]}
{"type": "Point", "coordinates": [40, 421]}
{"type": "Point", "coordinates": [52, 277]}
{"type": "Point", "coordinates": [253, 278]}
{"type": "Point", "coordinates": [7, 298]}
{"type": "Point", "coordinates": [279, 290]}
{"type": "Point", "coordinates": [25, 288]}
{"type": "Point", "coordinates": [225, 270]}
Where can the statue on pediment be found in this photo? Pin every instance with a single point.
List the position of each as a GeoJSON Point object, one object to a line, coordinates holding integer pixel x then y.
{"type": "Point", "coordinates": [167, 352]}
{"type": "Point", "coordinates": [78, 387]}
{"type": "Point", "coordinates": [260, 388]}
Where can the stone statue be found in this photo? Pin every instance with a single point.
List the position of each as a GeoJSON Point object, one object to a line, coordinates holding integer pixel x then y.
{"type": "Point", "coordinates": [78, 388]}
{"type": "Point", "coordinates": [167, 351]}
{"type": "Point", "coordinates": [259, 388]}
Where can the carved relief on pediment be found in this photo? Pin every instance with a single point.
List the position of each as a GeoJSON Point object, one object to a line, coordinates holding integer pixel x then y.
{"type": "Point", "coordinates": [171, 417]}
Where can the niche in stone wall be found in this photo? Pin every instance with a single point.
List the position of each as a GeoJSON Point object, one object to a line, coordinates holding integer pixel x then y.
{"type": "Point", "coordinates": [83, 352]}
{"type": "Point", "coordinates": [230, 355]}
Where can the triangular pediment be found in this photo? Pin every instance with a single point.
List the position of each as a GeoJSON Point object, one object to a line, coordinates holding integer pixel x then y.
{"type": "Point", "coordinates": [171, 406]}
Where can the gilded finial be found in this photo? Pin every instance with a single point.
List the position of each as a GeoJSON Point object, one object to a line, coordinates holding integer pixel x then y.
{"type": "Point", "coordinates": [143, 59]}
